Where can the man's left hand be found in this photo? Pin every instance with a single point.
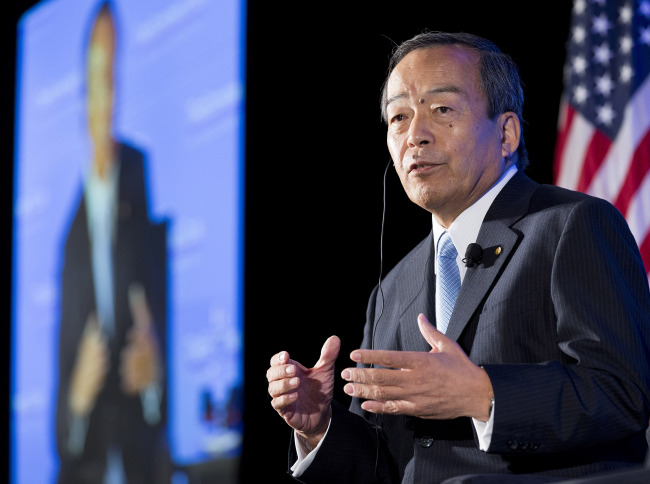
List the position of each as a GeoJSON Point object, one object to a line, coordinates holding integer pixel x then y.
{"type": "Point", "coordinates": [140, 359]}
{"type": "Point", "coordinates": [441, 384]}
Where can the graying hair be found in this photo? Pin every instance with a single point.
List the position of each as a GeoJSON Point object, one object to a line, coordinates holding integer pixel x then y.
{"type": "Point", "coordinates": [499, 76]}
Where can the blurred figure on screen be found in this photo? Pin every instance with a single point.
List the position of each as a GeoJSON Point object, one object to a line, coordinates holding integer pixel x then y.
{"type": "Point", "coordinates": [110, 421]}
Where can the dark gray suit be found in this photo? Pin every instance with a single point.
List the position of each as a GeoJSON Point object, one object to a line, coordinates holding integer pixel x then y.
{"type": "Point", "coordinates": [139, 255]}
{"type": "Point", "coordinates": [558, 313]}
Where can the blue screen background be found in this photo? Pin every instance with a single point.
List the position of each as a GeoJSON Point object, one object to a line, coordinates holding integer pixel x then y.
{"type": "Point", "coordinates": [180, 97]}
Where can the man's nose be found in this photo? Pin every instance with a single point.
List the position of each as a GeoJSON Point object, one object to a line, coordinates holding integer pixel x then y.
{"type": "Point", "coordinates": [420, 131]}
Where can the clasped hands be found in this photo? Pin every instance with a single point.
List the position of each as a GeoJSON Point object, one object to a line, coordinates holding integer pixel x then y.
{"type": "Point", "coordinates": [441, 384]}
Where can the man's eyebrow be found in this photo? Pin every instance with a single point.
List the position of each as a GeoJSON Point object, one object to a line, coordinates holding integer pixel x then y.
{"type": "Point", "coordinates": [443, 89]}
{"type": "Point", "coordinates": [435, 90]}
{"type": "Point", "coordinates": [395, 98]}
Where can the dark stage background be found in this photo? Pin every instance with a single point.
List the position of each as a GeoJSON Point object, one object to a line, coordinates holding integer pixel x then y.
{"type": "Point", "coordinates": [315, 155]}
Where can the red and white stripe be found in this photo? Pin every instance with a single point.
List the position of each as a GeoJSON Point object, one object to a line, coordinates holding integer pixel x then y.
{"type": "Point", "coordinates": [617, 170]}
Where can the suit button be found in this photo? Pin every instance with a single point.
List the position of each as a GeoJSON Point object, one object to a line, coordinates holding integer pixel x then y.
{"type": "Point", "coordinates": [513, 444]}
{"type": "Point", "coordinates": [425, 441]}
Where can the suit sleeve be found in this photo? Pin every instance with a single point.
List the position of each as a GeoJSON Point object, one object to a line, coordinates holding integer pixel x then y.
{"type": "Point", "coordinates": [77, 302]}
{"type": "Point", "coordinates": [353, 451]}
{"type": "Point", "coordinates": [598, 391]}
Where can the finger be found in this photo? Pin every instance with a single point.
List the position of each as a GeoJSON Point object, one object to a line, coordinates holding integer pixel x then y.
{"type": "Point", "coordinates": [430, 333]}
{"type": "Point", "coordinates": [381, 393]}
{"type": "Point", "coordinates": [283, 401]}
{"type": "Point", "coordinates": [281, 387]}
{"type": "Point", "coordinates": [279, 372]}
{"type": "Point", "coordinates": [279, 358]}
{"type": "Point", "coordinates": [329, 353]}
{"type": "Point", "coordinates": [387, 358]}
{"type": "Point", "coordinates": [139, 308]}
{"type": "Point", "coordinates": [373, 376]}
{"type": "Point", "coordinates": [393, 407]}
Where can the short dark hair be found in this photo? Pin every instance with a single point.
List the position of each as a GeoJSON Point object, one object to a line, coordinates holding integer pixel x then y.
{"type": "Point", "coordinates": [499, 75]}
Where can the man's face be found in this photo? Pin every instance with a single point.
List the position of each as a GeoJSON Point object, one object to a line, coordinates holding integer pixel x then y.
{"type": "Point", "coordinates": [446, 151]}
{"type": "Point", "coordinates": [100, 83]}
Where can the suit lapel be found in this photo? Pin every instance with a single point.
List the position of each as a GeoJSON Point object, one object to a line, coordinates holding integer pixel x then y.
{"type": "Point", "coordinates": [498, 242]}
{"type": "Point", "coordinates": [414, 290]}
{"type": "Point", "coordinates": [421, 302]}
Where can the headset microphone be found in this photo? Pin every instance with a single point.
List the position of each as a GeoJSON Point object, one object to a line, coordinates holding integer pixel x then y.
{"type": "Point", "coordinates": [473, 255]}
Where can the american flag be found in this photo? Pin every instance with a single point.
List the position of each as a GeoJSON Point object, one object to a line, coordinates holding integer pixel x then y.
{"type": "Point", "coordinates": [603, 144]}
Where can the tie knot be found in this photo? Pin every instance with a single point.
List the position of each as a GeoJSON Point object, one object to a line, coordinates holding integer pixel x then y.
{"type": "Point", "coordinates": [446, 247]}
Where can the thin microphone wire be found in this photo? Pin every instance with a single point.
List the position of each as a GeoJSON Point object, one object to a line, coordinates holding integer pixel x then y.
{"type": "Point", "coordinates": [381, 257]}
{"type": "Point", "coordinates": [381, 295]}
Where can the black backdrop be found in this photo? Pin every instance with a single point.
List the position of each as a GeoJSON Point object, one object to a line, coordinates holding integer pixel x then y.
{"type": "Point", "coordinates": [315, 157]}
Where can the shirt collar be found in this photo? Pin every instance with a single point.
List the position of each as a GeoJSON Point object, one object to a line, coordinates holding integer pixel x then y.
{"type": "Point", "coordinates": [464, 230]}
{"type": "Point", "coordinates": [101, 196]}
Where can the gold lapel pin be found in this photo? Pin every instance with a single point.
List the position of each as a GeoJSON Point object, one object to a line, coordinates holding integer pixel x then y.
{"type": "Point", "coordinates": [498, 251]}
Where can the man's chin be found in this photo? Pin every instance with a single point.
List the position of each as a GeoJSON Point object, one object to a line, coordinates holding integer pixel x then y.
{"type": "Point", "coordinates": [426, 197]}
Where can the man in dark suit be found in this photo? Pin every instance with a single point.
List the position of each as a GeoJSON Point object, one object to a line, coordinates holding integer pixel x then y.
{"type": "Point", "coordinates": [537, 366]}
{"type": "Point", "coordinates": [111, 412]}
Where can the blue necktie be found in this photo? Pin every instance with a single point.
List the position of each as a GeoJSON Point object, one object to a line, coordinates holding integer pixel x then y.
{"type": "Point", "coordinates": [447, 281]}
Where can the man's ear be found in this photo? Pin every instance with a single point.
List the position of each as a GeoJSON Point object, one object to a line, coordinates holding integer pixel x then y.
{"type": "Point", "coordinates": [510, 133]}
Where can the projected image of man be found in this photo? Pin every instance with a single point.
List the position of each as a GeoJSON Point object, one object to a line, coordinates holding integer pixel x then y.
{"type": "Point", "coordinates": [110, 417]}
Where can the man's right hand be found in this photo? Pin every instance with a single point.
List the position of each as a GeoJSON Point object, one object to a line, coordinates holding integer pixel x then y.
{"type": "Point", "coordinates": [302, 396]}
{"type": "Point", "coordinates": [90, 369]}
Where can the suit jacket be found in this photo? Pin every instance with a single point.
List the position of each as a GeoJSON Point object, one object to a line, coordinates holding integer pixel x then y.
{"type": "Point", "coordinates": [558, 313]}
{"type": "Point", "coordinates": [139, 255]}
